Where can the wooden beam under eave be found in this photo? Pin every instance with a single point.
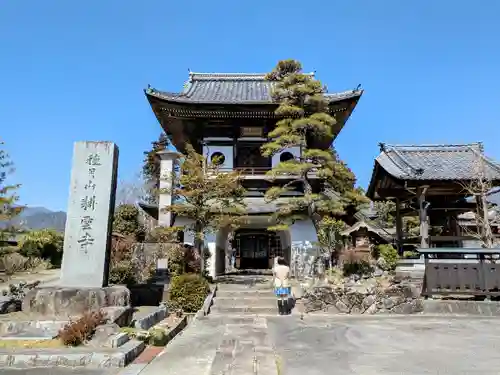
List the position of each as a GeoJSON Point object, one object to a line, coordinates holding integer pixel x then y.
{"type": "Point", "coordinates": [392, 193]}
{"type": "Point", "coordinates": [424, 218]}
{"type": "Point", "coordinates": [399, 227]}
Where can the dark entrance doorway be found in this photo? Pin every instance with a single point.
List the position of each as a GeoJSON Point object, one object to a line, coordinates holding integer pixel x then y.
{"type": "Point", "coordinates": [256, 249]}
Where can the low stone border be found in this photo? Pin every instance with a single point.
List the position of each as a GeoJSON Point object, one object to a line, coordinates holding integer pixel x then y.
{"type": "Point", "coordinates": [454, 307]}
{"type": "Point", "coordinates": [207, 304]}
{"type": "Point", "coordinates": [71, 357]}
{"type": "Point", "coordinates": [432, 308]}
{"type": "Point", "coordinates": [151, 319]}
{"type": "Point", "coordinates": [175, 330]}
{"type": "Point", "coordinates": [118, 340]}
{"type": "Point", "coordinates": [135, 369]}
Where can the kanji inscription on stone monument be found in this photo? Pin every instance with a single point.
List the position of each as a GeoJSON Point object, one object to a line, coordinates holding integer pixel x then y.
{"type": "Point", "coordinates": [91, 203]}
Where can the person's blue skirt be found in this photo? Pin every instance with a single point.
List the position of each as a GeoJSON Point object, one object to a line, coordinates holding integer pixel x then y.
{"type": "Point", "coordinates": [281, 291]}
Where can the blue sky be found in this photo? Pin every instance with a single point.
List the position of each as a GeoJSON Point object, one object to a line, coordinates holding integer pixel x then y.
{"type": "Point", "coordinates": [76, 71]}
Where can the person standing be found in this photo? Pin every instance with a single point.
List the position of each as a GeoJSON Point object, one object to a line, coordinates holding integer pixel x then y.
{"type": "Point", "coordinates": [282, 287]}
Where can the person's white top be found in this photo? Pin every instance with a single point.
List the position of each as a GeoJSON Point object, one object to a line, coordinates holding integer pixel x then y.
{"type": "Point", "coordinates": [281, 276]}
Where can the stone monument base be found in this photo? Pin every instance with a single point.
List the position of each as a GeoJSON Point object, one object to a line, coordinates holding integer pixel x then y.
{"type": "Point", "coordinates": [69, 301]}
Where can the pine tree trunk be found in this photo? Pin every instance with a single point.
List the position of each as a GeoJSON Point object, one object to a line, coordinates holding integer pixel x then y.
{"type": "Point", "coordinates": [199, 246]}
{"type": "Point", "coordinates": [312, 212]}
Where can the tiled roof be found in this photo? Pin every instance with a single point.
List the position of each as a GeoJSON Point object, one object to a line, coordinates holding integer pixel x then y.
{"type": "Point", "coordinates": [436, 162]}
{"type": "Point", "coordinates": [371, 228]}
{"type": "Point", "coordinates": [244, 88]}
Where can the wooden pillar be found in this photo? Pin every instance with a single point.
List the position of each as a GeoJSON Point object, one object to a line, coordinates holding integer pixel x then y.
{"type": "Point", "coordinates": [424, 219]}
{"type": "Point", "coordinates": [399, 227]}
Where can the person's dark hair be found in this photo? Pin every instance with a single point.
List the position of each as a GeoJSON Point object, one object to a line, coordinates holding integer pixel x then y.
{"type": "Point", "coordinates": [281, 261]}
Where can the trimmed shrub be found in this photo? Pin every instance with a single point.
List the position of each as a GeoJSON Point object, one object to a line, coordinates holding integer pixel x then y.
{"type": "Point", "coordinates": [389, 255]}
{"type": "Point", "coordinates": [78, 331]}
{"type": "Point", "coordinates": [188, 292]}
{"type": "Point", "coordinates": [411, 255]}
{"type": "Point", "coordinates": [45, 243]}
{"type": "Point", "coordinates": [126, 222]}
{"type": "Point", "coordinates": [122, 273]}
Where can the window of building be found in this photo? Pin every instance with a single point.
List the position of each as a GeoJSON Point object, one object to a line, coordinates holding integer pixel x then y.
{"type": "Point", "coordinates": [217, 158]}
{"type": "Point", "coordinates": [180, 236]}
{"type": "Point", "coordinates": [286, 156]}
{"type": "Point", "coordinates": [251, 132]}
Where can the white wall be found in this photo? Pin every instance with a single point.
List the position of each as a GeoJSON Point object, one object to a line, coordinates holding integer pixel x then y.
{"type": "Point", "coordinates": [227, 151]}
{"type": "Point", "coordinates": [210, 243]}
{"type": "Point", "coordinates": [295, 151]}
{"type": "Point", "coordinates": [185, 222]}
{"type": "Point", "coordinates": [167, 163]}
{"type": "Point", "coordinates": [303, 233]}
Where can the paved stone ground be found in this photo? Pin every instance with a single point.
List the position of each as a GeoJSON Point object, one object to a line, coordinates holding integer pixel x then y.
{"type": "Point", "coordinates": [386, 346]}
{"type": "Point", "coordinates": [236, 340]}
{"type": "Point", "coordinates": [58, 371]}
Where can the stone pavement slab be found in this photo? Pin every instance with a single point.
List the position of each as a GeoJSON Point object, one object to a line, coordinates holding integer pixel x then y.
{"type": "Point", "coordinates": [386, 346]}
{"type": "Point", "coordinates": [58, 371]}
{"type": "Point", "coordinates": [215, 345]}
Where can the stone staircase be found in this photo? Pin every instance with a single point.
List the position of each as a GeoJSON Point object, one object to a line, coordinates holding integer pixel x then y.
{"type": "Point", "coordinates": [232, 340]}
{"type": "Point", "coordinates": [244, 295]}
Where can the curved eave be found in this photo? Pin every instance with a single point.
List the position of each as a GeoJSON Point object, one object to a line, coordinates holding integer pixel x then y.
{"type": "Point", "coordinates": [150, 209]}
{"type": "Point", "coordinates": [382, 175]}
{"type": "Point", "coordinates": [370, 192]}
{"type": "Point", "coordinates": [177, 98]}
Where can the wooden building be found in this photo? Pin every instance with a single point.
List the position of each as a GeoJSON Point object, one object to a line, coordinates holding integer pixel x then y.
{"type": "Point", "coordinates": [229, 116]}
{"type": "Point", "coordinates": [429, 181]}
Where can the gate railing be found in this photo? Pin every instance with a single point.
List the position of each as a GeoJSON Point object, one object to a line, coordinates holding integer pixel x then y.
{"type": "Point", "coordinates": [461, 271]}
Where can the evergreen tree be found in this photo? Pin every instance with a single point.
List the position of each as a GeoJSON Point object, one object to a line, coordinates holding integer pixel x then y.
{"type": "Point", "coordinates": [126, 222]}
{"type": "Point", "coordinates": [8, 196]}
{"type": "Point", "coordinates": [151, 168]}
{"type": "Point", "coordinates": [210, 198]}
{"type": "Point", "coordinates": [303, 116]}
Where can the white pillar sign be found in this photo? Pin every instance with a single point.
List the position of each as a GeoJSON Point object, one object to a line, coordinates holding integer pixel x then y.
{"type": "Point", "coordinates": [87, 237]}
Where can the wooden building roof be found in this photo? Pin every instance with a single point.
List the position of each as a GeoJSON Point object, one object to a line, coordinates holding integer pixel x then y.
{"type": "Point", "coordinates": [231, 88]}
{"type": "Point", "coordinates": [412, 166]}
{"type": "Point", "coordinates": [210, 104]}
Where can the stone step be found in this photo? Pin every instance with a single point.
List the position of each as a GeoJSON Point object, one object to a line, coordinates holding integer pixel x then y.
{"type": "Point", "coordinates": [246, 283]}
{"type": "Point", "coordinates": [235, 301]}
{"type": "Point", "coordinates": [244, 310]}
{"type": "Point", "coordinates": [238, 288]}
{"type": "Point", "coordinates": [247, 293]}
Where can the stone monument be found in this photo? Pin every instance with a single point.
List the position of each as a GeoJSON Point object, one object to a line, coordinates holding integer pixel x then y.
{"type": "Point", "coordinates": [87, 240]}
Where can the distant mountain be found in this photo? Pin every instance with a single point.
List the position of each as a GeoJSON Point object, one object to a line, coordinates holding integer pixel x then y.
{"type": "Point", "coordinates": [34, 218]}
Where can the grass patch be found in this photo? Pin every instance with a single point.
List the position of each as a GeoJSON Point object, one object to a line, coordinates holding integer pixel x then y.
{"type": "Point", "coordinates": [31, 344]}
{"type": "Point", "coordinates": [153, 336]}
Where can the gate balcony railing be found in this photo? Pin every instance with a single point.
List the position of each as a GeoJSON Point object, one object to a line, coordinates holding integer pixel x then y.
{"type": "Point", "coordinates": [261, 171]}
{"type": "Point", "coordinates": [461, 271]}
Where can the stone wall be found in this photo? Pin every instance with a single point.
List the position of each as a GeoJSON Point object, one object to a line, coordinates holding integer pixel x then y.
{"type": "Point", "coordinates": [367, 297]}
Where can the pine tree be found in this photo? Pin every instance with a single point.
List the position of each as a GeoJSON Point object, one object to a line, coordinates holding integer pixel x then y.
{"type": "Point", "coordinates": [126, 222]}
{"type": "Point", "coordinates": [8, 196]}
{"type": "Point", "coordinates": [151, 168]}
{"type": "Point", "coordinates": [304, 115]}
{"type": "Point", "coordinates": [211, 198]}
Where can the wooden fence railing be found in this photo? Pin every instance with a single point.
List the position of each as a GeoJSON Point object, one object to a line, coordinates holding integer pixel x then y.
{"type": "Point", "coordinates": [461, 271]}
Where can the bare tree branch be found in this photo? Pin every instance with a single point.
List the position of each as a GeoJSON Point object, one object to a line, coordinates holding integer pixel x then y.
{"type": "Point", "coordinates": [485, 215]}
